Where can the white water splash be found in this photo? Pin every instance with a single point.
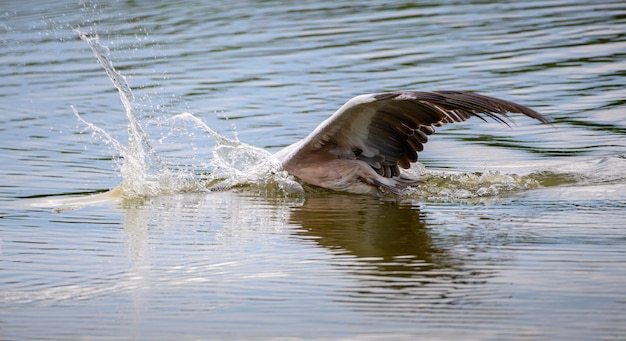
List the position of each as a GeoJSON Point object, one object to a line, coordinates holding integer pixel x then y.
{"type": "Point", "coordinates": [235, 163]}
{"type": "Point", "coordinates": [142, 170]}
{"type": "Point", "coordinates": [145, 174]}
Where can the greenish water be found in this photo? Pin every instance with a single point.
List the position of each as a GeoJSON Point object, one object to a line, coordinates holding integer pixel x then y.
{"type": "Point", "coordinates": [515, 233]}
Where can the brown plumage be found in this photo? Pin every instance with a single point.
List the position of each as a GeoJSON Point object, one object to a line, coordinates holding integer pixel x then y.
{"type": "Point", "coordinates": [363, 145]}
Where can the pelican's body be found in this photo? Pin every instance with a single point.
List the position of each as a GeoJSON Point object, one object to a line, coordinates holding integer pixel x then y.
{"type": "Point", "coordinates": [361, 147]}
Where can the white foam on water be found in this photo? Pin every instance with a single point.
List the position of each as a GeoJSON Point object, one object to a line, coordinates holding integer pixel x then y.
{"type": "Point", "coordinates": [452, 186]}
{"type": "Point", "coordinates": [438, 185]}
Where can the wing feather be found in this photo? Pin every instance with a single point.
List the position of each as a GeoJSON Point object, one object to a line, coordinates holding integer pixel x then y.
{"type": "Point", "coordinates": [387, 130]}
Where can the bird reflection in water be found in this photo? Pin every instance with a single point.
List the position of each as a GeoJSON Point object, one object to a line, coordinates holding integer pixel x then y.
{"type": "Point", "coordinates": [391, 251]}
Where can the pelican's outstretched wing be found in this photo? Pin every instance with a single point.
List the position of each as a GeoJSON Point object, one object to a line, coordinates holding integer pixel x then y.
{"type": "Point", "coordinates": [387, 130]}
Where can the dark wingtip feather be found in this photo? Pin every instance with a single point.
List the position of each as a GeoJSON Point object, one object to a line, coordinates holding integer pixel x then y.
{"type": "Point", "coordinates": [490, 106]}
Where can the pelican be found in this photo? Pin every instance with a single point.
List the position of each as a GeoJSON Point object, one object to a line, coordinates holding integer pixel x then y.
{"type": "Point", "coordinates": [362, 146]}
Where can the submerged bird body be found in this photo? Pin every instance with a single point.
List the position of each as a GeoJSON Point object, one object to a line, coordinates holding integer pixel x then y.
{"type": "Point", "coordinates": [362, 146]}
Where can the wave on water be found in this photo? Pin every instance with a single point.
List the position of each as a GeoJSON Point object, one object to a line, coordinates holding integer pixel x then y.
{"type": "Point", "coordinates": [454, 186]}
{"type": "Point", "coordinates": [460, 186]}
{"type": "Point", "coordinates": [235, 164]}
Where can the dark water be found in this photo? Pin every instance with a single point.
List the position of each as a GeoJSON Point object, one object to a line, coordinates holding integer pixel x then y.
{"type": "Point", "coordinates": [516, 233]}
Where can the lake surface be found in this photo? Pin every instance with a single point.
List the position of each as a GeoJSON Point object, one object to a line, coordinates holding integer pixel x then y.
{"type": "Point", "coordinates": [515, 233]}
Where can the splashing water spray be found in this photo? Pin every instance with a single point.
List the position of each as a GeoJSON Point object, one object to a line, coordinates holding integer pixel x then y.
{"type": "Point", "coordinates": [144, 173]}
